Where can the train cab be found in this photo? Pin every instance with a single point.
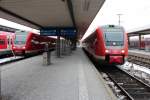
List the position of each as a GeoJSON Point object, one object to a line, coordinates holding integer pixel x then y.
{"type": "Point", "coordinates": [19, 44]}
{"type": "Point", "coordinates": [108, 43]}
{"type": "Point", "coordinates": [115, 43]}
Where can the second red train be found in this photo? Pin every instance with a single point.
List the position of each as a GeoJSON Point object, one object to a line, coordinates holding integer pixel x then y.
{"type": "Point", "coordinates": [26, 43]}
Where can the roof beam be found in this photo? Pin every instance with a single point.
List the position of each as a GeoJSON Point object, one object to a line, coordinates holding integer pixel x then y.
{"type": "Point", "coordinates": [20, 17]}
{"type": "Point", "coordinates": [70, 7]}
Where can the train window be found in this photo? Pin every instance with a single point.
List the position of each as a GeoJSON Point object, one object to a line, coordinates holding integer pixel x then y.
{"type": "Point", "coordinates": [2, 41]}
{"type": "Point", "coordinates": [114, 36]}
{"type": "Point", "coordinates": [20, 37]}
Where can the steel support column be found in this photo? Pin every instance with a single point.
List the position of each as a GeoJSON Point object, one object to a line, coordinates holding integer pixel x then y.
{"type": "Point", "coordinates": [58, 46]}
{"type": "Point", "coordinates": [70, 7]}
{"type": "Point", "coordinates": [128, 41]}
{"type": "Point", "coordinates": [140, 43]}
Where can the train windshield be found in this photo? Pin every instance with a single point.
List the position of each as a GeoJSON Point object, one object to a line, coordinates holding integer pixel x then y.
{"type": "Point", "coordinates": [20, 38]}
{"type": "Point", "coordinates": [114, 36]}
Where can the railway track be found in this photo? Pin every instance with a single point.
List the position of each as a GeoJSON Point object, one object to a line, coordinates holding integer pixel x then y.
{"type": "Point", "coordinates": [130, 86]}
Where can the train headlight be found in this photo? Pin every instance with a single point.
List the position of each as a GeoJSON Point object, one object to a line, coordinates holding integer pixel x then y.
{"type": "Point", "coordinates": [14, 47]}
{"type": "Point", "coordinates": [122, 51]}
{"type": "Point", "coordinates": [106, 51]}
{"type": "Point", "coordinates": [23, 47]}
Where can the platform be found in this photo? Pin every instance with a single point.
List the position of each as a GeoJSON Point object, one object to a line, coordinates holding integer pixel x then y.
{"type": "Point", "coordinates": [140, 57]}
{"type": "Point", "coordinates": [72, 77]}
{"type": "Point", "coordinates": [140, 53]}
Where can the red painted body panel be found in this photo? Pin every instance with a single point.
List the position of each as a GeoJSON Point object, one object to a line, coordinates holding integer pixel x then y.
{"type": "Point", "coordinates": [116, 59]}
{"type": "Point", "coordinates": [101, 45]}
{"type": "Point", "coordinates": [3, 40]}
{"type": "Point", "coordinates": [6, 39]}
{"type": "Point", "coordinates": [126, 44]}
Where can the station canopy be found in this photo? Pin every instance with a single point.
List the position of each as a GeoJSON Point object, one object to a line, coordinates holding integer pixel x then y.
{"type": "Point", "coordinates": [58, 13]}
{"type": "Point", "coordinates": [145, 30]}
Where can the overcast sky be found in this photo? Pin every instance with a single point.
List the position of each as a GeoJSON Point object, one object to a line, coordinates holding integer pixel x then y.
{"type": "Point", "coordinates": [135, 13]}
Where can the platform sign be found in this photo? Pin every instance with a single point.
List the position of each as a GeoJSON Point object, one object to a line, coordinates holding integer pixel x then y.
{"type": "Point", "coordinates": [68, 32]}
{"type": "Point", "coordinates": [49, 32]}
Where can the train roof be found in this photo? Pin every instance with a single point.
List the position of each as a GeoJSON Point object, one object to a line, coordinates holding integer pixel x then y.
{"type": "Point", "coordinates": [111, 26]}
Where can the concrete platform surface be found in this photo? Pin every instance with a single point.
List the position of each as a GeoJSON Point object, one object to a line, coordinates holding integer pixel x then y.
{"type": "Point", "coordinates": [139, 51]}
{"type": "Point", "coordinates": [71, 77]}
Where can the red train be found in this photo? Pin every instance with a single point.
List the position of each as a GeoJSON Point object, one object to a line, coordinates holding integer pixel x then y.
{"type": "Point", "coordinates": [6, 41]}
{"type": "Point", "coordinates": [108, 44]}
{"type": "Point", "coordinates": [26, 43]}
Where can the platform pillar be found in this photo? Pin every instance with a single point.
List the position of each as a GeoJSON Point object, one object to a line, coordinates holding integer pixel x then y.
{"type": "Point", "coordinates": [46, 58]}
{"type": "Point", "coordinates": [140, 43]}
{"type": "Point", "coordinates": [69, 50]}
{"type": "Point", "coordinates": [63, 47]}
{"type": "Point", "coordinates": [58, 46]}
{"type": "Point", "coordinates": [70, 46]}
{"type": "Point", "coordinates": [128, 41]}
{"type": "Point", "coordinates": [74, 44]}
{"type": "Point", "coordinates": [47, 55]}
{"type": "Point", "coordinates": [66, 46]}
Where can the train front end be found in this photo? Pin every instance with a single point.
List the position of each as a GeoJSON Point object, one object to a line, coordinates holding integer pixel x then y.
{"type": "Point", "coordinates": [19, 44]}
{"type": "Point", "coordinates": [115, 45]}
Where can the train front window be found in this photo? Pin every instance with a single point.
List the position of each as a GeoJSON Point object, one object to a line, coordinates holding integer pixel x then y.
{"type": "Point", "coordinates": [114, 37]}
{"type": "Point", "coordinates": [20, 38]}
